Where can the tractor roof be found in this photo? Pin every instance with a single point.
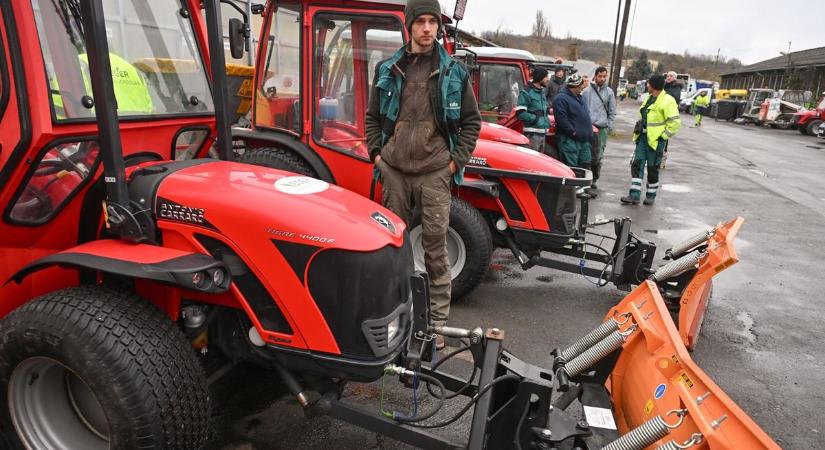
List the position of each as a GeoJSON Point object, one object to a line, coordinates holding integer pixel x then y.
{"type": "Point", "coordinates": [498, 52]}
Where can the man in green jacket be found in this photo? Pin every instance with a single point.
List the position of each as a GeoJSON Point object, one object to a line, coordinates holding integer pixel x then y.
{"type": "Point", "coordinates": [531, 109]}
{"type": "Point", "coordinates": [422, 125]}
{"type": "Point", "coordinates": [659, 122]}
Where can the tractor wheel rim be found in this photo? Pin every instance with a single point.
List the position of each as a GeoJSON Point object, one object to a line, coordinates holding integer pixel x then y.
{"type": "Point", "coordinates": [456, 251]}
{"type": "Point", "coordinates": [53, 408]}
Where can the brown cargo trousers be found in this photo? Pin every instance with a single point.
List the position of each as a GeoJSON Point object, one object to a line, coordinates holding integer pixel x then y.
{"type": "Point", "coordinates": [431, 193]}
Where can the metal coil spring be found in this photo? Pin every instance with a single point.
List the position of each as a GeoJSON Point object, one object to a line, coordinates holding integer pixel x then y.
{"type": "Point", "coordinates": [669, 445]}
{"type": "Point", "coordinates": [591, 339]}
{"type": "Point", "coordinates": [643, 435]}
{"type": "Point", "coordinates": [685, 246]}
{"type": "Point", "coordinates": [594, 354]}
{"type": "Point", "coordinates": [678, 267]}
{"type": "Point", "coordinates": [695, 439]}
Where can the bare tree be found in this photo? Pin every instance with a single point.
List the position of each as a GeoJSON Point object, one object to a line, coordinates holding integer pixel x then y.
{"type": "Point", "coordinates": [541, 27]}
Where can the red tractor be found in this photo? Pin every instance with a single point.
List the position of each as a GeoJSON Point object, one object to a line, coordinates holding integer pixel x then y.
{"type": "Point", "coordinates": [314, 71]}
{"type": "Point", "coordinates": [120, 253]}
{"type": "Point", "coordinates": [124, 259]}
{"type": "Point", "coordinates": [807, 122]}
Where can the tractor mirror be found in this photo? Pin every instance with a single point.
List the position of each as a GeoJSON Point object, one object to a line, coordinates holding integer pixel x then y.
{"type": "Point", "coordinates": [236, 38]}
{"type": "Point", "coordinates": [458, 12]}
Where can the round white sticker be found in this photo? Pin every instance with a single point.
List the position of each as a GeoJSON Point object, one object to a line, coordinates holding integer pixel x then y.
{"type": "Point", "coordinates": [299, 185]}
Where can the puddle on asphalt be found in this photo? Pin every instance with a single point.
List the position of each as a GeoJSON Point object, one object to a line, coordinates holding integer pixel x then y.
{"type": "Point", "coordinates": [747, 321]}
{"type": "Point", "coordinates": [680, 188]}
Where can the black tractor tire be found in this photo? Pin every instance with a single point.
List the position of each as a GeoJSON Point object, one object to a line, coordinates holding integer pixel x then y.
{"type": "Point", "coordinates": [810, 130]}
{"type": "Point", "coordinates": [471, 235]}
{"type": "Point", "coordinates": [803, 129]}
{"type": "Point", "coordinates": [277, 158]}
{"type": "Point", "coordinates": [88, 364]}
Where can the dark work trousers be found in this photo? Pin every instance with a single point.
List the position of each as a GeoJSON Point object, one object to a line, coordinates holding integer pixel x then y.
{"type": "Point", "coordinates": [538, 142]}
{"type": "Point", "coordinates": [645, 156]}
{"type": "Point", "coordinates": [430, 192]}
{"type": "Point", "coordinates": [574, 153]}
{"type": "Point", "coordinates": [597, 152]}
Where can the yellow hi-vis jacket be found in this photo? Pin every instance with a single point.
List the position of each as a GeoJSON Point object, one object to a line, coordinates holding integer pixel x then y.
{"type": "Point", "coordinates": [662, 119]}
{"type": "Point", "coordinates": [702, 100]}
{"type": "Point", "coordinates": [131, 91]}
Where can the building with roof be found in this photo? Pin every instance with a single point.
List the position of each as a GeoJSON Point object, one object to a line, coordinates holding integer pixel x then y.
{"type": "Point", "coordinates": [803, 70]}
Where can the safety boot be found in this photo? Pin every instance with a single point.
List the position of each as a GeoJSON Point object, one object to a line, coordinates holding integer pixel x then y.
{"type": "Point", "coordinates": [629, 200]}
{"type": "Point", "coordinates": [648, 200]}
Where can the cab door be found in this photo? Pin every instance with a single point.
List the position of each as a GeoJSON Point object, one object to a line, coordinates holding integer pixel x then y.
{"type": "Point", "coordinates": [348, 47]}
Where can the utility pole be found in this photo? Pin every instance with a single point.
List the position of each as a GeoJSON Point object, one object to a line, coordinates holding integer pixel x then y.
{"type": "Point", "coordinates": [615, 34]}
{"type": "Point", "coordinates": [617, 64]}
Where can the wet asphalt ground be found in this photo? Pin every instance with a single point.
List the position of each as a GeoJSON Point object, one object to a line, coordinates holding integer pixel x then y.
{"type": "Point", "coordinates": [763, 337]}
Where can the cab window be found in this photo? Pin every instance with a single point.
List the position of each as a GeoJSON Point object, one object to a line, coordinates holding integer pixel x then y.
{"type": "Point", "coordinates": [348, 51]}
{"type": "Point", "coordinates": [59, 173]}
{"type": "Point", "coordinates": [498, 90]}
{"type": "Point", "coordinates": [156, 66]}
{"type": "Point", "coordinates": [278, 93]}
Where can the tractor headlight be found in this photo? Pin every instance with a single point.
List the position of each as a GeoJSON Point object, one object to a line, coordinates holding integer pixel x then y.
{"type": "Point", "coordinates": [218, 277]}
{"type": "Point", "coordinates": [392, 328]}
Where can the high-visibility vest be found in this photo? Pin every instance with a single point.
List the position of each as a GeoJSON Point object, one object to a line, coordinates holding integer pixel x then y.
{"type": "Point", "coordinates": [131, 91]}
{"type": "Point", "coordinates": [702, 100]}
{"type": "Point", "coordinates": [662, 119]}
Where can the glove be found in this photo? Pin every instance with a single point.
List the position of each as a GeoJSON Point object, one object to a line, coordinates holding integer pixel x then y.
{"type": "Point", "coordinates": [660, 146]}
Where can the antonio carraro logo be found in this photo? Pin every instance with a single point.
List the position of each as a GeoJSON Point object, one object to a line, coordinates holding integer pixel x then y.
{"type": "Point", "coordinates": [383, 221]}
{"type": "Point", "coordinates": [169, 210]}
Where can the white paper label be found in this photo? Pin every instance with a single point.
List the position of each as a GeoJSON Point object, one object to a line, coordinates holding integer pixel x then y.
{"type": "Point", "coordinates": [599, 417]}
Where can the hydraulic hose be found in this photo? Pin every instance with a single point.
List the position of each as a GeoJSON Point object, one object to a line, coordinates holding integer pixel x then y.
{"type": "Point", "coordinates": [400, 417]}
{"type": "Point", "coordinates": [472, 401]}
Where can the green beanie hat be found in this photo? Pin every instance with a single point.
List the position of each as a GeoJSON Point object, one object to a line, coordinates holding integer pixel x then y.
{"type": "Point", "coordinates": [417, 8]}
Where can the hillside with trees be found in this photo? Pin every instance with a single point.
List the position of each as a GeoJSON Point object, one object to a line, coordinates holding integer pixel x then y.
{"type": "Point", "coordinates": [542, 42]}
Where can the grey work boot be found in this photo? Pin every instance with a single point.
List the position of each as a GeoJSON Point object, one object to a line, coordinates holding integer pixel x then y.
{"type": "Point", "coordinates": [629, 200]}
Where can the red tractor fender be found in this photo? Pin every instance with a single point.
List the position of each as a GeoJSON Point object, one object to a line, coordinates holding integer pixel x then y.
{"type": "Point", "coordinates": [500, 133]}
{"type": "Point", "coordinates": [805, 116]}
{"type": "Point", "coordinates": [655, 375]}
{"type": "Point", "coordinates": [189, 270]}
{"type": "Point", "coordinates": [281, 140]}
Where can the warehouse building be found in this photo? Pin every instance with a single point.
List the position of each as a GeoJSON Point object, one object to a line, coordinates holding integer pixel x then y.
{"type": "Point", "coordinates": [803, 70]}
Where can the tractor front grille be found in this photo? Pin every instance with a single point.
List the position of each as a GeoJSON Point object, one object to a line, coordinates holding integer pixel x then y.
{"type": "Point", "coordinates": [359, 293]}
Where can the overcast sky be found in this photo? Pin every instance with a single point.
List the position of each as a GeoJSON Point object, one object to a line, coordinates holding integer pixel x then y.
{"type": "Point", "coordinates": [751, 30]}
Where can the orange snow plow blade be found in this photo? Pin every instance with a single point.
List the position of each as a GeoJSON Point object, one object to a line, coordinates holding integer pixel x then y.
{"type": "Point", "coordinates": [721, 254]}
{"type": "Point", "coordinates": [655, 376]}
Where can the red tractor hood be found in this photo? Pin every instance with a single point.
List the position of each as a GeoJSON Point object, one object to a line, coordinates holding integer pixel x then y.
{"type": "Point", "coordinates": [514, 158]}
{"type": "Point", "coordinates": [499, 133]}
{"type": "Point", "coordinates": [243, 201]}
